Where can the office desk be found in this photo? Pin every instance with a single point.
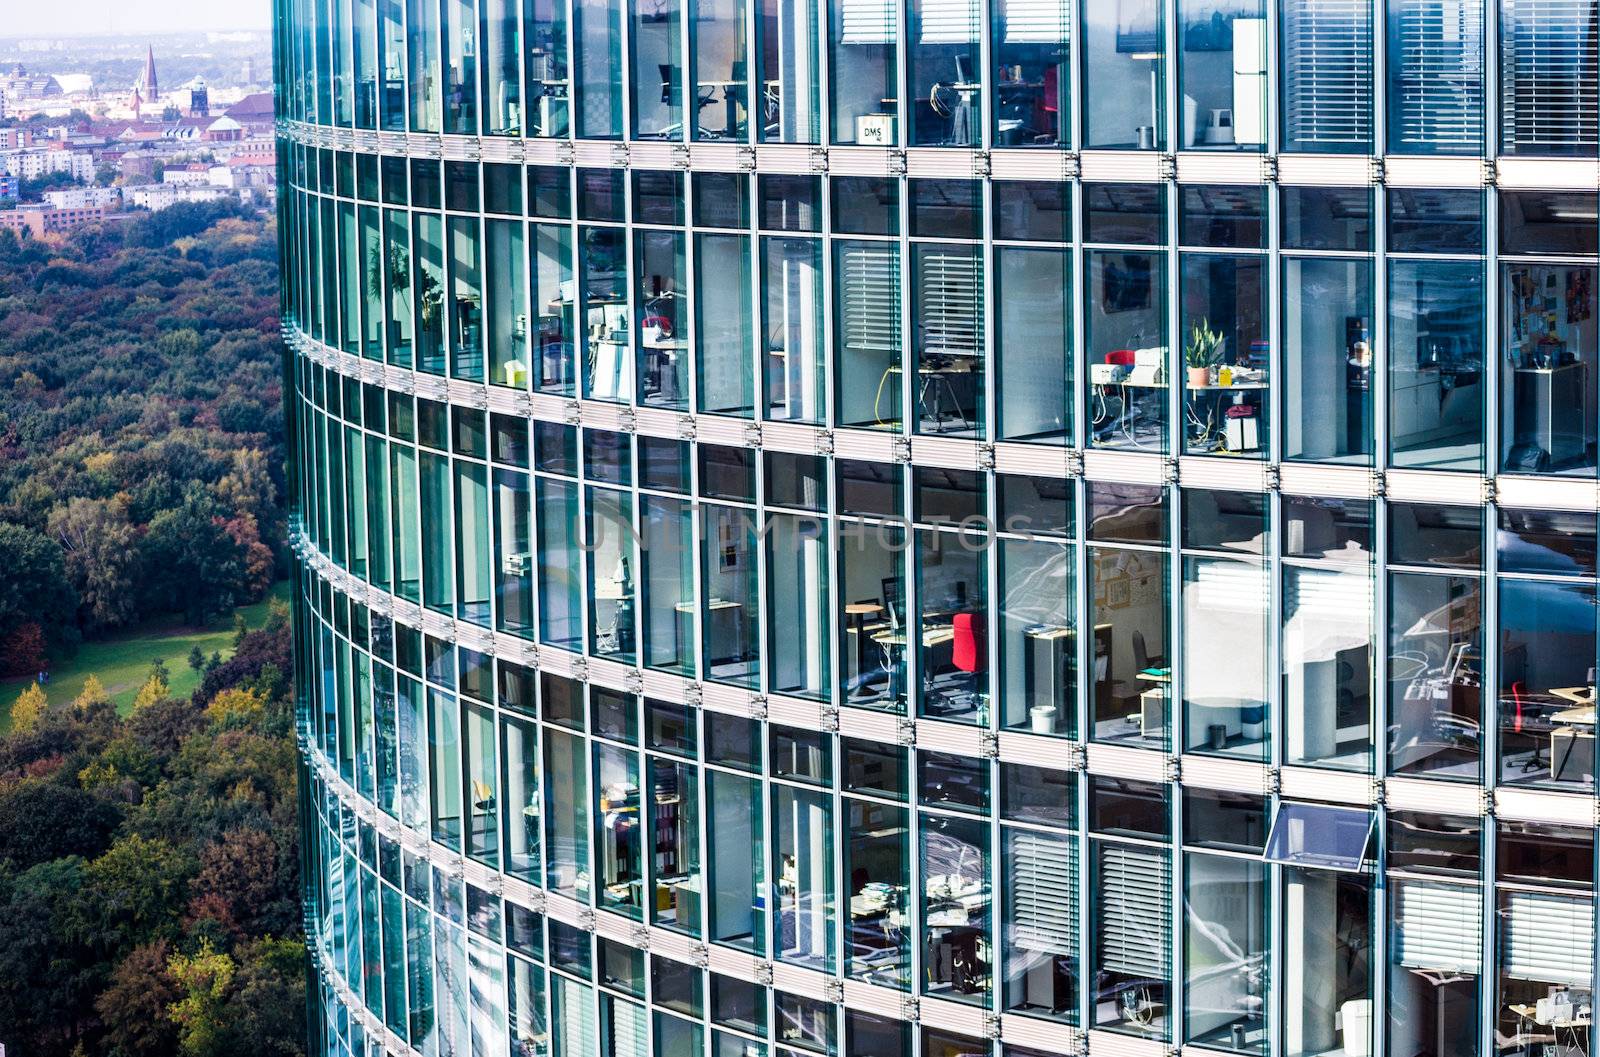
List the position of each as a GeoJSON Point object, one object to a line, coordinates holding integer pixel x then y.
{"type": "Point", "coordinates": [1578, 695]}
{"type": "Point", "coordinates": [1572, 752]}
{"type": "Point", "coordinates": [856, 615]}
{"type": "Point", "coordinates": [936, 378]}
{"type": "Point", "coordinates": [722, 623]}
{"type": "Point", "coordinates": [934, 636]}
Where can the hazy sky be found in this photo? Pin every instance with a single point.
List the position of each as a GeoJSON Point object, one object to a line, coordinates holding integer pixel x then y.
{"type": "Point", "coordinates": [63, 17]}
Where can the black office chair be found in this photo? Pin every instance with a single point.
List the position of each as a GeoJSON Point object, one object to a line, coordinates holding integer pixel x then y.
{"type": "Point", "coordinates": [1141, 654]}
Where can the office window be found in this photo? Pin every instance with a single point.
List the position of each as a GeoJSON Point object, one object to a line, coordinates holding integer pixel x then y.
{"type": "Point", "coordinates": [1435, 967]}
{"type": "Point", "coordinates": [720, 104]}
{"type": "Point", "coordinates": [947, 324]}
{"type": "Point", "coordinates": [1033, 344]}
{"type": "Point", "coordinates": [1327, 74]}
{"type": "Point", "coordinates": [1032, 81]}
{"type": "Point", "coordinates": [1225, 657]}
{"type": "Point", "coordinates": [1223, 74]}
{"type": "Point", "coordinates": [867, 291]}
{"type": "Point", "coordinates": [1327, 322]}
{"type": "Point", "coordinates": [1548, 77]}
{"type": "Point", "coordinates": [1130, 916]}
{"type": "Point", "coordinates": [1436, 368]}
{"type": "Point", "coordinates": [1435, 59]}
{"type": "Point", "coordinates": [1123, 75]}
{"type": "Point", "coordinates": [861, 58]}
{"type": "Point", "coordinates": [788, 80]}
{"type": "Point", "coordinates": [1548, 334]}
{"type": "Point", "coordinates": [1040, 933]}
{"type": "Point", "coordinates": [1225, 952]}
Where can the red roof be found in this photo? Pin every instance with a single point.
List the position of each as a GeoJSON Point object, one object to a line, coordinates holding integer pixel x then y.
{"type": "Point", "coordinates": [257, 106]}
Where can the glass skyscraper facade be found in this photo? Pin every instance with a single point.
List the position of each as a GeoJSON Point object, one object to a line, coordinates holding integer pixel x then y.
{"type": "Point", "coordinates": [867, 528]}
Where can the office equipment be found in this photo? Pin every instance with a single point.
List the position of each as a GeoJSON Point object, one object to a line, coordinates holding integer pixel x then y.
{"type": "Point", "coordinates": [1549, 411]}
{"type": "Point", "coordinates": [1247, 122]}
{"type": "Point", "coordinates": [1046, 654]}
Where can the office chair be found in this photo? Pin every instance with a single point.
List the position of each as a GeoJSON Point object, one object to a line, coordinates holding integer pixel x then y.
{"type": "Point", "coordinates": [969, 649]}
{"type": "Point", "coordinates": [1141, 654]}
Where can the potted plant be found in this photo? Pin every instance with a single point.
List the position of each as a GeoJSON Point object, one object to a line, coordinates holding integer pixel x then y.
{"type": "Point", "coordinates": [1202, 352]}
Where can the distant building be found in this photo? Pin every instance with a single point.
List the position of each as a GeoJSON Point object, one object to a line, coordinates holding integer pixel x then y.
{"type": "Point", "coordinates": [84, 198]}
{"type": "Point", "coordinates": [148, 87]}
{"type": "Point", "coordinates": [10, 188]}
{"type": "Point", "coordinates": [223, 130]}
{"type": "Point", "coordinates": [37, 220]}
{"type": "Point", "coordinates": [199, 98]}
{"type": "Point", "coordinates": [21, 86]}
{"type": "Point", "coordinates": [31, 163]}
{"type": "Point", "coordinates": [255, 112]}
{"type": "Point", "coordinates": [156, 197]}
{"type": "Point", "coordinates": [191, 175]}
{"type": "Point", "coordinates": [15, 138]}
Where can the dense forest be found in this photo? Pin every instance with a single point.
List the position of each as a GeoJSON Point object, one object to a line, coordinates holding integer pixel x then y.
{"type": "Point", "coordinates": [149, 898]}
{"type": "Point", "coordinates": [149, 903]}
{"type": "Point", "coordinates": [141, 434]}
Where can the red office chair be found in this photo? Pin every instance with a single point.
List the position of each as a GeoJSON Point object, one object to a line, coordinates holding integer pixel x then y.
{"type": "Point", "coordinates": [1123, 357]}
{"type": "Point", "coordinates": [968, 652]}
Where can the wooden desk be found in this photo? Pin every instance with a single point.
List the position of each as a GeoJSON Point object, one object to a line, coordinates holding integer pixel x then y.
{"type": "Point", "coordinates": [1578, 717]}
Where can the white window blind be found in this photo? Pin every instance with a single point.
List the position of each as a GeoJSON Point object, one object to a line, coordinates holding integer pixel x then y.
{"type": "Point", "coordinates": [869, 297]}
{"type": "Point", "coordinates": [1043, 873]}
{"type": "Point", "coordinates": [1036, 22]}
{"type": "Point", "coordinates": [574, 1021]}
{"type": "Point", "coordinates": [1548, 73]}
{"type": "Point", "coordinates": [1436, 97]}
{"type": "Point", "coordinates": [1328, 69]}
{"type": "Point", "coordinates": [866, 21]}
{"type": "Point", "coordinates": [949, 302]}
{"type": "Point", "coordinates": [1439, 927]}
{"type": "Point", "coordinates": [628, 1030]}
{"type": "Point", "coordinates": [1132, 889]}
{"type": "Point", "coordinates": [1547, 938]}
{"type": "Point", "coordinates": [949, 21]}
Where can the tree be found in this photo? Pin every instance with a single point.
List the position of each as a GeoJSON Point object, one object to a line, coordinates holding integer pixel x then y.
{"type": "Point", "coordinates": [100, 544]}
{"type": "Point", "coordinates": [92, 696]}
{"type": "Point", "coordinates": [35, 585]}
{"type": "Point", "coordinates": [197, 658]}
{"type": "Point", "coordinates": [153, 690]}
{"type": "Point", "coordinates": [29, 709]}
{"type": "Point", "coordinates": [248, 487]}
{"type": "Point", "coordinates": [48, 975]}
{"type": "Point", "coordinates": [133, 892]}
{"type": "Point", "coordinates": [194, 566]}
{"type": "Point", "coordinates": [236, 707]}
{"type": "Point", "coordinates": [242, 872]}
{"type": "Point", "coordinates": [22, 650]}
{"type": "Point", "coordinates": [134, 1004]}
{"type": "Point", "coordinates": [259, 565]}
{"type": "Point", "coordinates": [200, 1012]}
{"type": "Point", "coordinates": [41, 821]}
{"type": "Point", "coordinates": [269, 1006]}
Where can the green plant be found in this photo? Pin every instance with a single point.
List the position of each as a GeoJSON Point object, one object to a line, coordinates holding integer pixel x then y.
{"type": "Point", "coordinates": [1204, 347]}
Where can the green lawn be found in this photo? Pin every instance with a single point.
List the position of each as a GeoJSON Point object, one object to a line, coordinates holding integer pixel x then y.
{"type": "Point", "coordinates": [123, 663]}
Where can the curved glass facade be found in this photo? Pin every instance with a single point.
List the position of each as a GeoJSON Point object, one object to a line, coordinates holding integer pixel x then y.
{"type": "Point", "coordinates": [864, 528]}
